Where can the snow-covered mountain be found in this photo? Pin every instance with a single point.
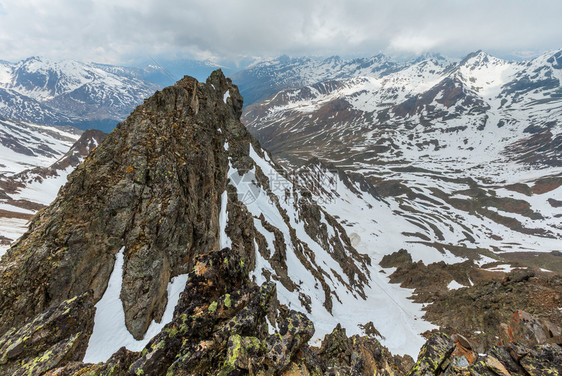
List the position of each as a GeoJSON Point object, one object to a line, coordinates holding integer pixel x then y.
{"type": "Point", "coordinates": [34, 163]}
{"type": "Point", "coordinates": [267, 77]}
{"type": "Point", "coordinates": [70, 93]}
{"type": "Point", "coordinates": [468, 153]}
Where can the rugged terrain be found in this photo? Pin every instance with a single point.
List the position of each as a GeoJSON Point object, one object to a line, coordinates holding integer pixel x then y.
{"type": "Point", "coordinates": [68, 92]}
{"type": "Point", "coordinates": [154, 193]}
{"type": "Point", "coordinates": [35, 162]}
{"type": "Point", "coordinates": [180, 197]}
{"type": "Point", "coordinates": [466, 153]}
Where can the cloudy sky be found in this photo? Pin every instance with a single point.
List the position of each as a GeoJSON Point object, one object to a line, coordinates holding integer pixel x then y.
{"type": "Point", "coordinates": [128, 31]}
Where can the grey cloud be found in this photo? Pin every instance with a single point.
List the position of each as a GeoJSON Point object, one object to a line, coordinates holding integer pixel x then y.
{"type": "Point", "coordinates": [127, 30]}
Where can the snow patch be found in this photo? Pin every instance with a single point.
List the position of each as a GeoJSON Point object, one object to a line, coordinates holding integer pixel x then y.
{"type": "Point", "coordinates": [110, 332]}
{"type": "Point", "coordinates": [224, 240]}
{"type": "Point", "coordinates": [454, 285]}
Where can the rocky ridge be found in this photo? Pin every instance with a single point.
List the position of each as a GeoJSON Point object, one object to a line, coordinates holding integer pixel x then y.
{"type": "Point", "coordinates": [156, 187]}
{"type": "Point", "coordinates": [182, 188]}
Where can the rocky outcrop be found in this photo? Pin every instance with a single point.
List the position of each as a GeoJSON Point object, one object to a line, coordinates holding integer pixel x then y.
{"type": "Point", "coordinates": [220, 328]}
{"type": "Point", "coordinates": [484, 313]}
{"type": "Point", "coordinates": [529, 330]}
{"type": "Point", "coordinates": [443, 355]}
{"type": "Point", "coordinates": [50, 339]}
{"type": "Point", "coordinates": [152, 187]}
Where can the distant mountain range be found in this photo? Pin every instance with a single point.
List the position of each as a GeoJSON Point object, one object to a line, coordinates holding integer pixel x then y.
{"type": "Point", "coordinates": [431, 94]}
{"type": "Point", "coordinates": [93, 95]}
{"type": "Point", "coordinates": [467, 152]}
{"type": "Point", "coordinates": [70, 93]}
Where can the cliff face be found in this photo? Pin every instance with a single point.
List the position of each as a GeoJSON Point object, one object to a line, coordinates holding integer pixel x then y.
{"type": "Point", "coordinates": [153, 187]}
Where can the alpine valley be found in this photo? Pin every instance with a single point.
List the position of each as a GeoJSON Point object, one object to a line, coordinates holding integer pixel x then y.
{"type": "Point", "coordinates": [357, 217]}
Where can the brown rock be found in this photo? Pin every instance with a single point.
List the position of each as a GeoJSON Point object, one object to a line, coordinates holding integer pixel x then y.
{"type": "Point", "coordinates": [463, 348]}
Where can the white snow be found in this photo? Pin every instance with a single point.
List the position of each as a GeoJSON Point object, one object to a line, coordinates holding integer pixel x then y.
{"type": "Point", "coordinates": [110, 332]}
{"type": "Point", "coordinates": [226, 96]}
{"type": "Point", "coordinates": [224, 240]}
{"type": "Point", "coordinates": [35, 138]}
{"type": "Point", "coordinates": [454, 285]}
{"type": "Point", "coordinates": [45, 191]}
{"type": "Point", "coordinates": [396, 317]}
{"type": "Point", "coordinates": [16, 209]}
{"type": "Point", "coordinates": [506, 268]}
{"type": "Point", "coordinates": [11, 228]}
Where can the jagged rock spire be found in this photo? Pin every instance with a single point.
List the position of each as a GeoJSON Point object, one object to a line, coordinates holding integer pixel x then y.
{"type": "Point", "coordinates": [151, 187]}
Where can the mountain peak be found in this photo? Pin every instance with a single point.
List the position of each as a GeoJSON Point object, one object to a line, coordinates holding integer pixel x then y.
{"type": "Point", "coordinates": [171, 142]}
{"type": "Point", "coordinates": [480, 58]}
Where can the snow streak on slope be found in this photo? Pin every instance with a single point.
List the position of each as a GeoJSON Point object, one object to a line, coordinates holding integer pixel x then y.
{"type": "Point", "coordinates": [110, 332]}
{"type": "Point", "coordinates": [25, 145]}
{"type": "Point", "coordinates": [10, 229]}
{"type": "Point", "coordinates": [397, 318]}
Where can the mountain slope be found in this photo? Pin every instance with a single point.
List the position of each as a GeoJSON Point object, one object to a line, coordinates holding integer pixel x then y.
{"type": "Point", "coordinates": [468, 153]}
{"type": "Point", "coordinates": [69, 92]}
{"type": "Point", "coordinates": [27, 145]}
{"type": "Point", "coordinates": [37, 159]}
{"type": "Point", "coordinates": [268, 77]}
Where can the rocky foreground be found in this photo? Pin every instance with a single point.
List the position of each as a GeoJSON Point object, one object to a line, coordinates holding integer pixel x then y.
{"type": "Point", "coordinates": [152, 192]}
{"type": "Point", "coordinates": [220, 328]}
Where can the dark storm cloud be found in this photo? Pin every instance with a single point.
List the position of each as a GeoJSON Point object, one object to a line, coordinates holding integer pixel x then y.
{"type": "Point", "coordinates": [121, 31]}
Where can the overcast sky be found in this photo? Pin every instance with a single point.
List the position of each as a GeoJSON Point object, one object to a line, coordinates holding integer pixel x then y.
{"type": "Point", "coordinates": [128, 31]}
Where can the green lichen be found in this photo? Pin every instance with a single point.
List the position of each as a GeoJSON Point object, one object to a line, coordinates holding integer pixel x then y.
{"type": "Point", "coordinates": [213, 307]}
{"type": "Point", "coordinates": [227, 301]}
{"type": "Point", "coordinates": [172, 332]}
{"type": "Point", "coordinates": [49, 358]}
{"type": "Point", "coordinates": [238, 348]}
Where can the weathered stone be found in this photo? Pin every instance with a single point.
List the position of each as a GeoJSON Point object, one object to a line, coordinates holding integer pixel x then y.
{"type": "Point", "coordinates": [432, 355]}
{"type": "Point", "coordinates": [294, 332]}
{"type": "Point", "coordinates": [463, 349]}
{"type": "Point", "coordinates": [527, 329]}
{"type": "Point", "coordinates": [396, 259]}
{"type": "Point", "coordinates": [359, 356]}
{"type": "Point", "coordinates": [480, 369]}
{"type": "Point", "coordinates": [543, 360]}
{"type": "Point", "coordinates": [496, 366]}
{"type": "Point", "coordinates": [117, 365]}
{"type": "Point", "coordinates": [50, 339]}
{"type": "Point", "coordinates": [503, 356]}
